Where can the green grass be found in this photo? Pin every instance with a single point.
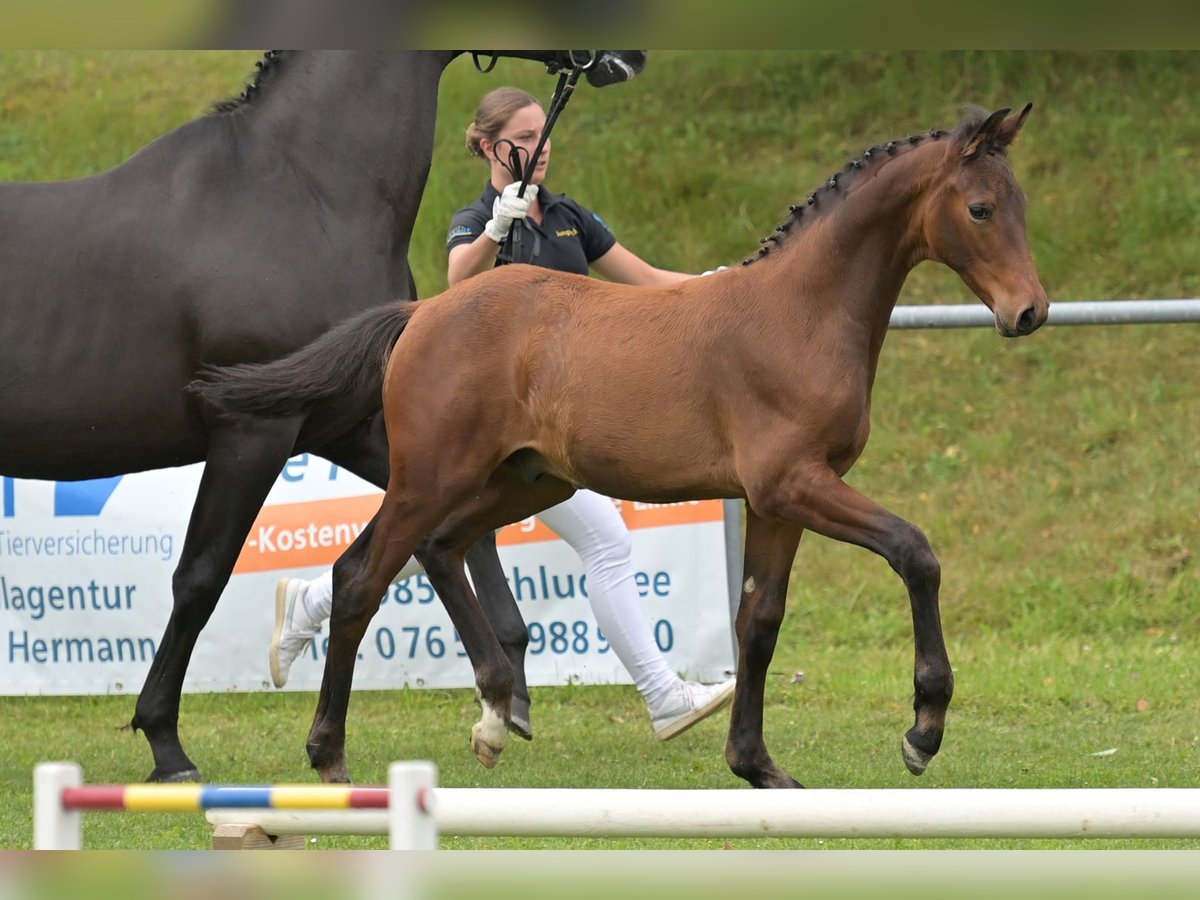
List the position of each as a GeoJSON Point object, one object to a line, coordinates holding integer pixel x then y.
{"type": "Point", "coordinates": [1027, 715]}
{"type": "Point", "coordinates": [1055, 476]}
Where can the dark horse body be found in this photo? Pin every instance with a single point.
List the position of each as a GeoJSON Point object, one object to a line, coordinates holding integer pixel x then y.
{"type": "Point", "coordinates": [752, 383]}
{"type": "Point", "coordinates": [237, 237]}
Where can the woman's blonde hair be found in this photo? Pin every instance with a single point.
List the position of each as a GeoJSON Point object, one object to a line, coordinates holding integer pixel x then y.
{"type": "Point", "coordinates": [493, 113]}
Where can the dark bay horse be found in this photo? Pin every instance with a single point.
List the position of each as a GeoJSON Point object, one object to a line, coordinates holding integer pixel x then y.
{"type": "Point", "coordinates": [752, 383]}
{"type": "Point", "coordinates": [237, 237]}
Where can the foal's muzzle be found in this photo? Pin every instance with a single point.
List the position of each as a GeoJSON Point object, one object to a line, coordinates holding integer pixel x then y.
{"type": "Point", "coordinates": [1028, 320]}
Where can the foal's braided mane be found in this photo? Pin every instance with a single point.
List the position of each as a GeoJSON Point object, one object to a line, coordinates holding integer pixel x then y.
{"type": "Point", "coordinates": [835, 186]}
{"type": "Point", "coordinates": [263, 70]}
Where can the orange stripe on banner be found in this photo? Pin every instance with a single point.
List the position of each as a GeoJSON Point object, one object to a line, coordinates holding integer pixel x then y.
{"type": "Point", "coordinates": [636, 515]}
{"type": "Point", "coordinates": [314, 533]}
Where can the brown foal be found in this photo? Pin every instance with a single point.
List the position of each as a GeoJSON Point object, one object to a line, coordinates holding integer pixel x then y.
{"type": "Point", "coordinates": [510, 390]}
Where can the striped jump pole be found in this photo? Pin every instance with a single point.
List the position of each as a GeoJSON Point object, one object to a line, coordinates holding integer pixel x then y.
{"type": "Point", "coordinates": [59, 798]}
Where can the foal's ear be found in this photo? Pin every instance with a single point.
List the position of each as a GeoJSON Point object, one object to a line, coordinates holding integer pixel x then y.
{"type": "Point", "coordinates": [986, 135]}
{"type": "Point", "coordinates": [1010, 126]}
{"type": "Point", "coordinates": [997, 132]}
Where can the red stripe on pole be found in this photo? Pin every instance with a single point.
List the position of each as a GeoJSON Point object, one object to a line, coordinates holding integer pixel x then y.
{"type": "Point", "coordinates": [94, 797]}
{"type": "Point", "coordinates": [369, 798]}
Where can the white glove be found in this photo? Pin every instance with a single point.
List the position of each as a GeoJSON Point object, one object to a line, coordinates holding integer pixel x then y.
{"type": "Point", "coordinates": [714, 271]}
{"type": "Point", "coordinates": [507, 208]}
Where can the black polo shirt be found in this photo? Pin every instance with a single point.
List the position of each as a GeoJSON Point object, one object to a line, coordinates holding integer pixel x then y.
{"type": "Point", "coordinates": [568, 239]}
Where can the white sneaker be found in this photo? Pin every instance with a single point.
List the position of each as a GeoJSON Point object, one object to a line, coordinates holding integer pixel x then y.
{"type": "Point", "coordinates": [293, 630]}
{"type": "Point", "coordinates": [688, 703]}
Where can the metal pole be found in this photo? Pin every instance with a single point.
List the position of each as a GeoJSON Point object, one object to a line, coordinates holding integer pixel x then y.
{"type": "Point", "coordinates": [734, 561]}
{"type": "Point", "coordinates": [1079, 312]}
{"type": "Point", "coordinates": [55, 828]}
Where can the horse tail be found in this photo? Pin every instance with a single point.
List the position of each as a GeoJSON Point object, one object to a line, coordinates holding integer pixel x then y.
{"type": "Point", "coordinates": [343, 368]}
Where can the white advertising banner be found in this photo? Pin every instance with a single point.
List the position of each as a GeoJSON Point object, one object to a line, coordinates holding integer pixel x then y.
{"type": "Point", "coordinates": [85, 588]}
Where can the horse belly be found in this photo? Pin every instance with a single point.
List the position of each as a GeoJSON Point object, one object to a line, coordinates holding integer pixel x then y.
{"type": "Point", "coordinates": [651, 464]}
{"type": "Point", "coordinates": [95, 443]}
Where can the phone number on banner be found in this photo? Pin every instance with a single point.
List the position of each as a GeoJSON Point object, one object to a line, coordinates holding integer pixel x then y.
{"type": "Point", "coordinates": [548, 637]}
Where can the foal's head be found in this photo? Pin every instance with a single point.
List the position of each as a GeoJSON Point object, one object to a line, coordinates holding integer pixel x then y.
{"type": "Point", "coordinates": [975, 222]}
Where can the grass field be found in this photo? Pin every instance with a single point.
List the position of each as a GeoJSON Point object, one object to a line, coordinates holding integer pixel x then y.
{"type": "Point", "coordinates": [1055, 476]}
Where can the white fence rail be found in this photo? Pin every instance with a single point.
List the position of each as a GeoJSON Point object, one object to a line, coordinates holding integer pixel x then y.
{"type": "Point", "coordinates": [1078, 312]}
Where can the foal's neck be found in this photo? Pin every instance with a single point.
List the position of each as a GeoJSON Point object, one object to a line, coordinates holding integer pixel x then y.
{"type": "Point", "coordinates": [848, 266]}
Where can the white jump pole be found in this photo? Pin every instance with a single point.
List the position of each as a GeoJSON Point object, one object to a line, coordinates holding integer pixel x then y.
{"type": "Point", "coordinates": [894, 813]}
{"type": "Point", "coordinates": [55, 828]}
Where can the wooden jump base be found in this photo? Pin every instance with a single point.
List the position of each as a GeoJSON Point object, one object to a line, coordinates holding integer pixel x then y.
{"type": "Point", "coordinates": [259, 816]}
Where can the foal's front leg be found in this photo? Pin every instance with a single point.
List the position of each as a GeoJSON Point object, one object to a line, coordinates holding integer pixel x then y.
{"type": "Point", "coordinates": [770, 550]}
{"type": "Point", "coordinates": [824, 503]}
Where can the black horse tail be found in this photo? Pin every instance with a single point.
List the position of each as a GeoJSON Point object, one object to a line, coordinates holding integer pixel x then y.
{"type": "Point", "coordinates": [341, 370]}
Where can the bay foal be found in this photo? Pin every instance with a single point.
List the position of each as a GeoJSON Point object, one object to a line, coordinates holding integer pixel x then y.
{"type": "Point", "coordinates": [507, 392]}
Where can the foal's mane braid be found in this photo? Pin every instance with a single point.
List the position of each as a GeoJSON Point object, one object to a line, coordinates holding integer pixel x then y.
{"type": "Point", "coordinates": [834, 187]}
{"type": "Point", "coordinates": [262, 70]}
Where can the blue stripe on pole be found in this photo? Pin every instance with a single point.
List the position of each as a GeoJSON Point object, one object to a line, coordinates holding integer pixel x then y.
{"type": "Point", "coordinates": [217, 797]}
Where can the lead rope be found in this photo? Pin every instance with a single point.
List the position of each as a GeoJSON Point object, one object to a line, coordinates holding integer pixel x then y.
{"type": "Point", "coordinates": [510, 251]}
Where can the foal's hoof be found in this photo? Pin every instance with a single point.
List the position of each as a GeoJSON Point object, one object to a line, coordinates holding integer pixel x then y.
{"type": "Point", "coordinates": [520, 722]}
{"type": "Point", "coordinates": [486, 751]}
{"type": "Point", "coordinates": [330, 771]}
{"type": "Point", "coordinates": [521, 728]}
{"type": "Point", "coordinates": [915, 759]}
{"type": "Point", "coordinates": [181, 777]}
{"type": "Point", "coordinates": [778, 781]}
{"type": "Point", "coordinates": [334, 774]}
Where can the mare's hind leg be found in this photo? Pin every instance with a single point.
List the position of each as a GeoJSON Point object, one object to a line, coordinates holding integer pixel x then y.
{"type": "Point", "coordinates": [244, 456]}
{"type": "Point", "coordinates": [770, 551]}
{"type": "Point", "coordinates": [827, 505]}
{"type": "Point", "coordinates": [365, 453]}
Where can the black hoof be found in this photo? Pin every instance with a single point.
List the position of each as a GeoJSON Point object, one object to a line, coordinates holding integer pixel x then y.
{"type": "Point", "coordinates": [182, 776]}
{"type": "Point", "coordinates": [916, 760]}
{"type": "Point", "coordinates": [786, 783]}
{"type": "Point", "coordinates": [520, 722]}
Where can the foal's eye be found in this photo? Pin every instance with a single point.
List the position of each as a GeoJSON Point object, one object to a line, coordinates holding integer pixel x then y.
{"type": "Point", "coordinates": [980, 212]}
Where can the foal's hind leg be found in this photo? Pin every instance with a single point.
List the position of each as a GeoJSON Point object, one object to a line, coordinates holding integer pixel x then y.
{"type": "Point", "coordinates": [823, 503]}
{"type": "Point", "coordinates": [506, 498]}
{"type": "Point", "coordinates": [360, 577]}
{"type": "Point", "coordinates": [496, 598]}
{"type": "Point", "coordinates": [244, 456]}
{"type": "Point", "coordinates": [365, 453]}
{"type": "Point", "coordinates": [770, 551]}
{"type": "Point", "coordinates": [350, 613]}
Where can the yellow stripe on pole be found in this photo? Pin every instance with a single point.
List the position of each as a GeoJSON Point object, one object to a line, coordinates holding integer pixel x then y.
{"type": "Point", "coordinates": [310, 796]}
{"type": "Point", "coordinates": [162, 797]}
